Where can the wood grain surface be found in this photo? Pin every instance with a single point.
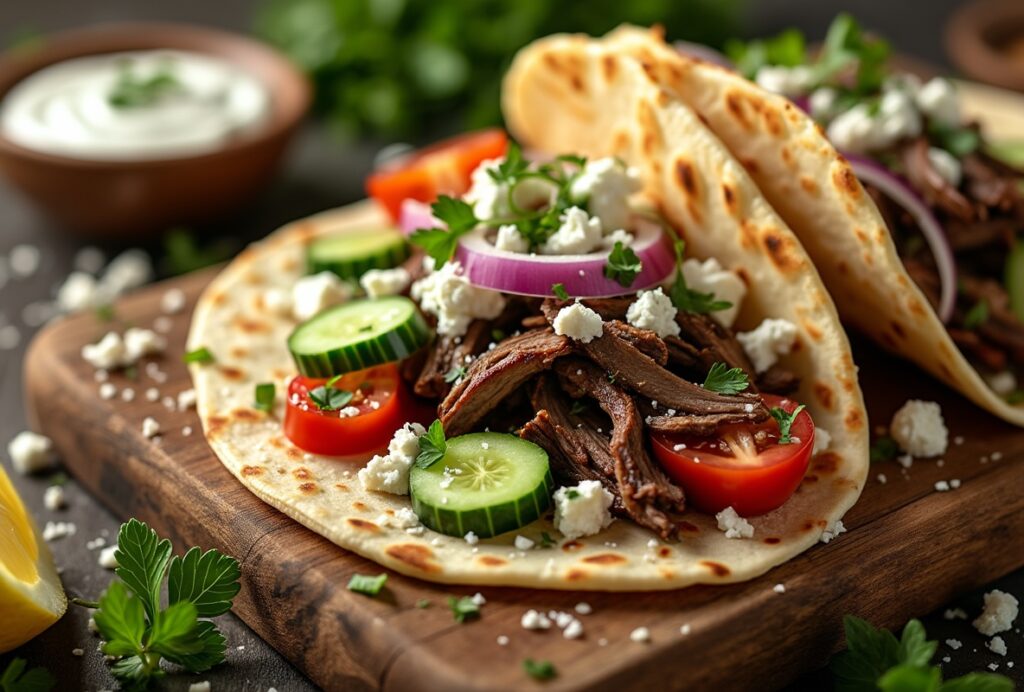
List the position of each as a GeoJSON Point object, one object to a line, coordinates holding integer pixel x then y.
{"type": "Point", "coordinates": [908, 549]}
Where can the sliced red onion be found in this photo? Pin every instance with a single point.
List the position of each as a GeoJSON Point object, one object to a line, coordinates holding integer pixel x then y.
{"type": "Point", "coordinates": [414, 214]}
{"type": "Point", "coordinates": [702, 52]}
{"type": "Point", "coordinates": [582, 275]}
{"type": "Point", "coordinates": [899, 191]}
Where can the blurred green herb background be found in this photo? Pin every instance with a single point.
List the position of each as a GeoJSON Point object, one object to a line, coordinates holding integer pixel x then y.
{"type": "Point", "coordinates": [419, 68]}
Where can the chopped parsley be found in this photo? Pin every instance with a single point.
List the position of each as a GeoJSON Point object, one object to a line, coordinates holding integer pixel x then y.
{"type": "Point", "coordinates": [685, 298]}
{"type": "Point", "coordinates": [884, 449]}
{"type": "Point", "coordinates": [423, 603]}
{"type": "Point", "coordinates": [540, 670]}
{"type": "Point", "coordinates": [559, 291]}
{"type": "Point", "coordinates": [327, 397]}
{"type": "Point", "coordinates": [440, 243]}
{"type": "Point", "coordinates": [200, 355]}
{"type": "Point", "coordinates": [977, 315]}
{"type": "Point", "coordinates": [726, 380]}
{"type": "Point", "coordinates": [16, 679]}
{"type": "Point", "coordinates": [455, 374]}
{"type": "Point", "coordinates": [498, 335]}
{"type": "Point", "coordinates": [572, 493]}
{"type": "Point", "coordinates": [367, 584]}
{"type": "Point", "coordinates": [132, 90]}
{"type": "Point", "coordinates": [546, 541]}
{"type": "Point", "coordinates": [432, 446]}
{"type": "Point", "coordinates": [264, 400]}
{"type": "Point", "coordinates": [622, 265]}
{"type": "Point", "coordinates": [785, 420]}
{"type": "Point", "coordinates": [105, 312]}
{"type": "Point", "coordinates": [463, 608]}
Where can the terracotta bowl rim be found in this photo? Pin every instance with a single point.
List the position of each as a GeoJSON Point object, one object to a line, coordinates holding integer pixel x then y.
{"type": "Point", "coordinates": [279, 74]}
{"type": "Point", "coordinates": [969, 46]}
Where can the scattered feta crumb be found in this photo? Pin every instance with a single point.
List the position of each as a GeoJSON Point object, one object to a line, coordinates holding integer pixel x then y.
{"type": "Point", "coordinates": [58, 529]}
{"type": "Point", "coordinates": [578, 322]}
{"type": "Point", "coordinates": [107, 391]}
{"type": "Point", "coordinates": [24, 260]}
{"type": "Point", "coordinates": [710, 277]}
{"type": "Point", "coordinates": [788, 81]}
{"type": "Point", "coordinates": [203, 686]}
{"type": "Point", "coordinates": [583, 608]}
{"type": "Point", "coordinates": [130, 269]}
{"type": "Point", "coordinates": [582, 510]}
{"type": "Point", "coordinates": [173, 301]}
{"type": "Point", "coordinates": [579, 233]}
{"type": "Point", "coordinates": [502, 640]}
{"type": "Point", "coordinates": [955, 614]}
{"type": "Point", "coordinates": [390, 473]}
{"type": "Point", "coordinates": [54, 498]}
{"type": "Point", "coordinates": [478, 599]}
{"type": "Point", "coordinates": [640, 634]}
{"type": "Point", "coordinates": [471, 538]}
{"type": "Point", "coordinates": [997, 646]}
{"type": "Point", "coordinates": [31, 452]}
{"type": "Point", "coordinates": [954, 483]}
{"type": "Point", "coordinates": [919, 429]}
{"type": "Point", "coordinates": [684, 629]}
{"type": "Point", "coordinates": [653, 310]}
{"type": "Point", "coordinates": [832, 531]}
{"type": "Point", "coordinates": [532, 620]}
{"type": "Point", "coordinates": [733, 524]}
{"type": "Point", "coordinates": [779, 588]}
{"type": "Point", "coordinates": [106, 559]}
{"type": "Point", "coordinates": [942, 486]}
{"type": "Point", "coordinates": [993, 666]}
{"type": "Point", "coordinates": [954, 644]}
{"type": "Point", "coordinates": [314, 294]}
{"type": "Point", "coordinates": [78, 652]}
{"type": "Point", "coordinates": [449, 296]}
{"type": "Point", "coordinates": [150, 427]}
{"type": "Point", "coordinates": [91, 626]}
{"type": "Point", "coordinates": [277, 301]}
{"type": "Point", "coordinates": [605, 186]}
{"type": "Point", "coordinates": [77, 292]}
{"type": "Point", "coordinates": [186, 399]}
{"type": "Point", "coordinates": [523, 543]}
{"type": "Point", "coordinates": [510, 239]}
{"type": "Point", "coordinates": [95, 543]}
{"type": "Point", "coordinates": [574, 630]}
{"type": "Point", "coordinates": [999, 613]}
{"type": "Point", "coordinates": [881, 478]}
{"type": "Point", "coordinates": [385, 282]}
{"type": "Point", "coordinates": [771, 339]}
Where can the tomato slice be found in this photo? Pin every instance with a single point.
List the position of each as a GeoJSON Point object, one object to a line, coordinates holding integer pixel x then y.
{"type": "Point", "coordinates": [743, 466]}
{"type": "Point", "coordinates": [377, 396]}
{"type": "Point", "coordinates": [440, 169]}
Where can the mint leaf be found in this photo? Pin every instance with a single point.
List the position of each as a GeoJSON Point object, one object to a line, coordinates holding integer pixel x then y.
{"type": "Point", "coordinates": [174, 632]}
{"type": "Point", "coordinates": [726, 380]}
{"type": "Point", "coordinates": [209, 581]}
{"type": "Point", "coordinates": [688, 300]}
{"type": "Point", "coordinates": [132, 90]}
{"type": "Point", "coordinates": [785, 420]}
{"type": "Point", "coordinates": [16, 679]}
{"type": "Point", "coordinates": [463, 608]}
{"type": "Point", "coordinates": [209, 653]}
{"type": "Point", "coordinates": [869, 653]}
{"type": "Point", "coordinates": [539, 670]}
{"type": "Point", "coordinates": [622, 265]}
{"type": "Point", "coordinates": [142, 561]}
{"type": "Point", "coordinates": [559, 291]}
{"type": "Point", "coordinates": [367, 584]}
{"type": "Point", "coordinates": [120, 621]}
{"type": "Point", "coordinates": [910, 678]}
{"type": "Point", "coordinates": [915, 649]}
{"type": "Point", "coordinates": [978, 682]}
{"type": "Point", "coordinates": [432, 446]}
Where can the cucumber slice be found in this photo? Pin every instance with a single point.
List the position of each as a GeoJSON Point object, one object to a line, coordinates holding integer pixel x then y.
{"type": "Point", "coordinates": [358, 335]}
{"type": "Point", "coordinates": [350, 255]}
{"type": "Point", "coordinates": [496, 483]}
{"type": "Point", "coordinates": [1015, 279]}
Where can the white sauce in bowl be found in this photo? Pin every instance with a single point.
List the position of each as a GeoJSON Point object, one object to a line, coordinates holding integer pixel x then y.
{"type": "Point", "coordinates": [71, 108]}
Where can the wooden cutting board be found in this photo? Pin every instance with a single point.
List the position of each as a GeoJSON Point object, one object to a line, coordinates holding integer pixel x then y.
{"type": "Point", "coordinates": [909, 548]}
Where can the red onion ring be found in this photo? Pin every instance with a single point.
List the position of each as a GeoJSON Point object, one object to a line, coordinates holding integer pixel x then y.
{"type": "Point", "coordinates": [582, 275]}
{"type": "Point", "coordinates": [415, 214]}
{"type": "Point", "coordinates": [896, 188]}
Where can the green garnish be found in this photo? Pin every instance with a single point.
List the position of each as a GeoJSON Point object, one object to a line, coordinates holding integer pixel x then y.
{"type": "Point", "coordinates": [135, 91]}
{"type": "Point", "coordinates": [539, 670]}
{"type": "Point", "coordinates": [685, 298]}
{"type": "Point", "coordinates": [132, 623]}
{"type": "Point", "coordinates": [455, 374]}
{"type": "Point", "coordinates": [785, 420]}
{"type": "Point", "coordinates": [958, 141]}
{"type": "Point", "coordinates": [559, 291]}
{"type": "Point", "coordinates": [16, 679]}
{"type": "Point", "coordinates": [875, 660]}
{"type": "Point", "coordinates": [977, 315]}
{"type": "Point", "coordinates": [788, 49]}
{"type": "Point", "coordinates": [572, 493]}
{"type": "Point", "coordinates": [623, 265]}
{"type": "Point", "coordinates": [59, 478]}
{"type": "Point", "coordinates": [463, 608]}
{"type": "Point", "coordinates": [440, 243]}
{"type": "Point", "coordinates": [264, 400]}
{"type": "Point", "coordinates": [514, 165]}
{"type": "Point", "coordinates": [884, 449]}
{"type": "Point", "coordinates": [726, 380]}
{"type": "Point", "coordinates": [366, 584]}
{"type": "Point", "coordinates": [423, 603]}
{"type": "Point", "coordinates": [131, 372]}
{"type": "Point", "coordinates": [546, 541]}
{"type": "Point", "coordinates": [432, 446]}
{"type": "Point", "coordinates": [200, 355]}
{"type": "Point", "coordinates": [497, 335]}
{"type": "Point", "coordinates": [183, 252]}
{"type": "Point", "coordinates": [105, 312]}
{"type": "Point", "coordinates": [327, 397]}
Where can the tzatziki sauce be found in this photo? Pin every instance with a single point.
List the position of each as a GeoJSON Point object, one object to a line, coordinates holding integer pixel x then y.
{"type": "Point", "coordinates": [130, 106]}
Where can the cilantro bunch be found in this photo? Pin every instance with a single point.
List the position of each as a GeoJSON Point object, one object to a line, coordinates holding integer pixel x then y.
{"type": "Point", "coordinates": [139, 630]}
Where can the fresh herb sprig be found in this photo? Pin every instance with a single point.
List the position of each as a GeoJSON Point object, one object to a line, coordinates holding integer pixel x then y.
{"type": "Point", "coordinates": [785, 420]}
{"type": "Point", "coordinates": [201, 356]}
{"type": "Point", "coordinates": [366, 584]}
{"type": "Point", "coordinates": [558, 290]}
{"type": "Point", "coordinates": [455, 374]}
{"type": "Point", "coordinates": [883, 449]}
{"type": "Point", "coordinates": [327, 397]}
{"type": "Point", "coordinates": [16, 678]}
{"type": "Point", "coordinates": [539, 670]}
{"type": "Point", "coordinates": [440, 243]}
{"type": "Point", "coordinates": [623, 265]}
{"type": "Point", "coordinates": [133, 90]}
{"type": "Point", "coordinates": [876, 660]}
{"type": "Point", "coordinates": [687, 299]}
{"type": "Point", "coordinates": [263, 399]}
{"type": "Point", "coordinates": [726, 380]}
{"type": "Point", "coordinates": [136, 627]}
{"type": "Point", "coordinates": [432, 446]}
{"type": "Point", "coordinates": [463, 609]}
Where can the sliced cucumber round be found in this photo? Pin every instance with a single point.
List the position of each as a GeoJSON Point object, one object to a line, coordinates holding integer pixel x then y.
{"type": "Point", "coordinates": [487, 483]}
{"type": "Point", "coordinates": [352, 254]}
{"type": "Point", "coordinates": [358, 335]}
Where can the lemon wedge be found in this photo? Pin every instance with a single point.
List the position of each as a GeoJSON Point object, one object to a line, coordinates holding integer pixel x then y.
{"type": "Point", "coordinates": [31, 595]}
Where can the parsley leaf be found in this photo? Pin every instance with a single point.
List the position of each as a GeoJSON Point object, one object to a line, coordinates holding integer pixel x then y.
{"type": "Point", "coordinates": [131, 90]}
{"type": "Point", "coordinates": [455, 374]}
{"type": "Point", "coordinates": [511, 167]}
{"type": "Point", "coordinates": [785, 421]}
{"type": "Point", "coordinates": [423, 603]}
{"type": "Point", "coordinates": [440, 243]}
{"type": "Point", "coordinates": [726, 380]}
{"type": "Point", "coordinates": [883, 449]}
{"type": "Point", "coordinates": [539, 670]}
{"type": "Point", "coordinates": [463, 608]}
{"type": "Point", "coordinates": [209, 581]}
{"type": "Point", "coordinates": [559, 291]}
{"type": "Point", "coordinates": [200, 355]}
{"type": "Point", "coordinates": [265, 393]}
{"type": "Point", "coordinates": [209, 653]}
{"type": "Point", "coordinates": [16, 679]}
{"type": "Point", "coordinates": [173, 631]}
{"type": "Point", "coordinates": [788, 49]}
{"type": "Point", "coordinates": [105, 312]}
{"type": "Point", "coordinates": [688, 300]}
{"type": "Point", "coordinates": [546, 541]}
{"type": "Point", "coordinates": [366, 584]}
{"type": "Point", "coordinates": [120, 621]}
{"type": "Point", "coordinates": [432, 446]}
{"type": "Point", "coordinates": [958, 141]}
{"type": "Point", "coordinates": [572, 493]}
{"type": "Point", "coordinates": [977, 315]}
{"type": "Point", "coordinates": [142, 559]}
{"type": "Point", "coordinates": [327, 397]}
{"type": "Point", "coordinates": [623, 265]}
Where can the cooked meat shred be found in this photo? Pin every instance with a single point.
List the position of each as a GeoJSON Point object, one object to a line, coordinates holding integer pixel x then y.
{"type": "Point", "coordinates": [448, 353]}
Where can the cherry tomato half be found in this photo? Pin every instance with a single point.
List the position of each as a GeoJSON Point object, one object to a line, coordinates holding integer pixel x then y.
{"type": "Point", "coordinates": [742, 466]}
{"type": "Point", "coordinates": [442, 168]}
{"type": "Point", "coordinates": [377, 397]}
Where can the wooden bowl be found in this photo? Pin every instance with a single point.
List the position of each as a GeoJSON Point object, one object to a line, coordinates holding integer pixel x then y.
{"type": "Point", "coordinates": [985, 40]}
{"type": "Point", "coordinates": [122, 198]}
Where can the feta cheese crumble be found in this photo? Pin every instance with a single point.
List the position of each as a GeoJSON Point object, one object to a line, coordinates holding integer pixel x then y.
{"type": "Point", "coordinates": [779, 588]}
{"type": "Point", "coordinates": [733, 524]}
{"type": "Point", "coordinates": [455, 302]}
{"type": "Point", "coordinates": [150, 427]}
{"type": "Point", "coordinates": [1003, 383]}
{"type": "Point", "coordinates": [1000, 611]}
{"type": "Point", "coordinates": [316, 293]}
{"type": "Point", "coordinates": [997, 646]}
{"type": "Point", "coordinates": [523, 543]}
{"type": "Point", "coordinates": [31, 452]}
{"type": "Point", "coordinates": [641, 635]}
{"type": "Point", "coordinates": [771, 339]}
{"type": "Point", "coordinates": [578, 322]}
{"type": "Point", "coordinates": [710, 277]}
{"type": "Point", "coordinates": [54, 498]}
{"type": "Point", "coordinates": [173, 301]}
{"type": "Point", "coordinates": [946, 165]}
{"type": "Point", "coordinates": [605, 186]}
{"type": "Point", "coordinates": [954, 644]}
{"type": "Point", "coordinates": [578, 234]}
{"type": "Point", "coordinates": [58, 529]}
{"type": "Point", "coordinates": [385, 282]}
{"type": "Point", "coordinates": [390, 473]}
{"type": "Point", "coordinates": [532, 620]}
{"type": "Point", "coordinates": [79, 291]}
{"type": "Point", "coordinates": [832, 531]}
{"type": "Point", "coordinates": [510, 239]}
{"type": "Point", "coordinates": [471, 538]}
{"type": "Point", "coordinates": [582, 510]}
{"type": "Point", "coordinates": [106, 558]}
{"type": "Point", "coordinates": [919, 429]}
{"type": "Point", "coordinates": [938, 100]}
{"type": "Point", "coordinates": [653, 310]}
{"type": "Point", "coordinates": [822, 440]}
{"type": "Point", "coordinates": [788, 81]}
{"type": "Point", "coordinates": [277, 301]}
